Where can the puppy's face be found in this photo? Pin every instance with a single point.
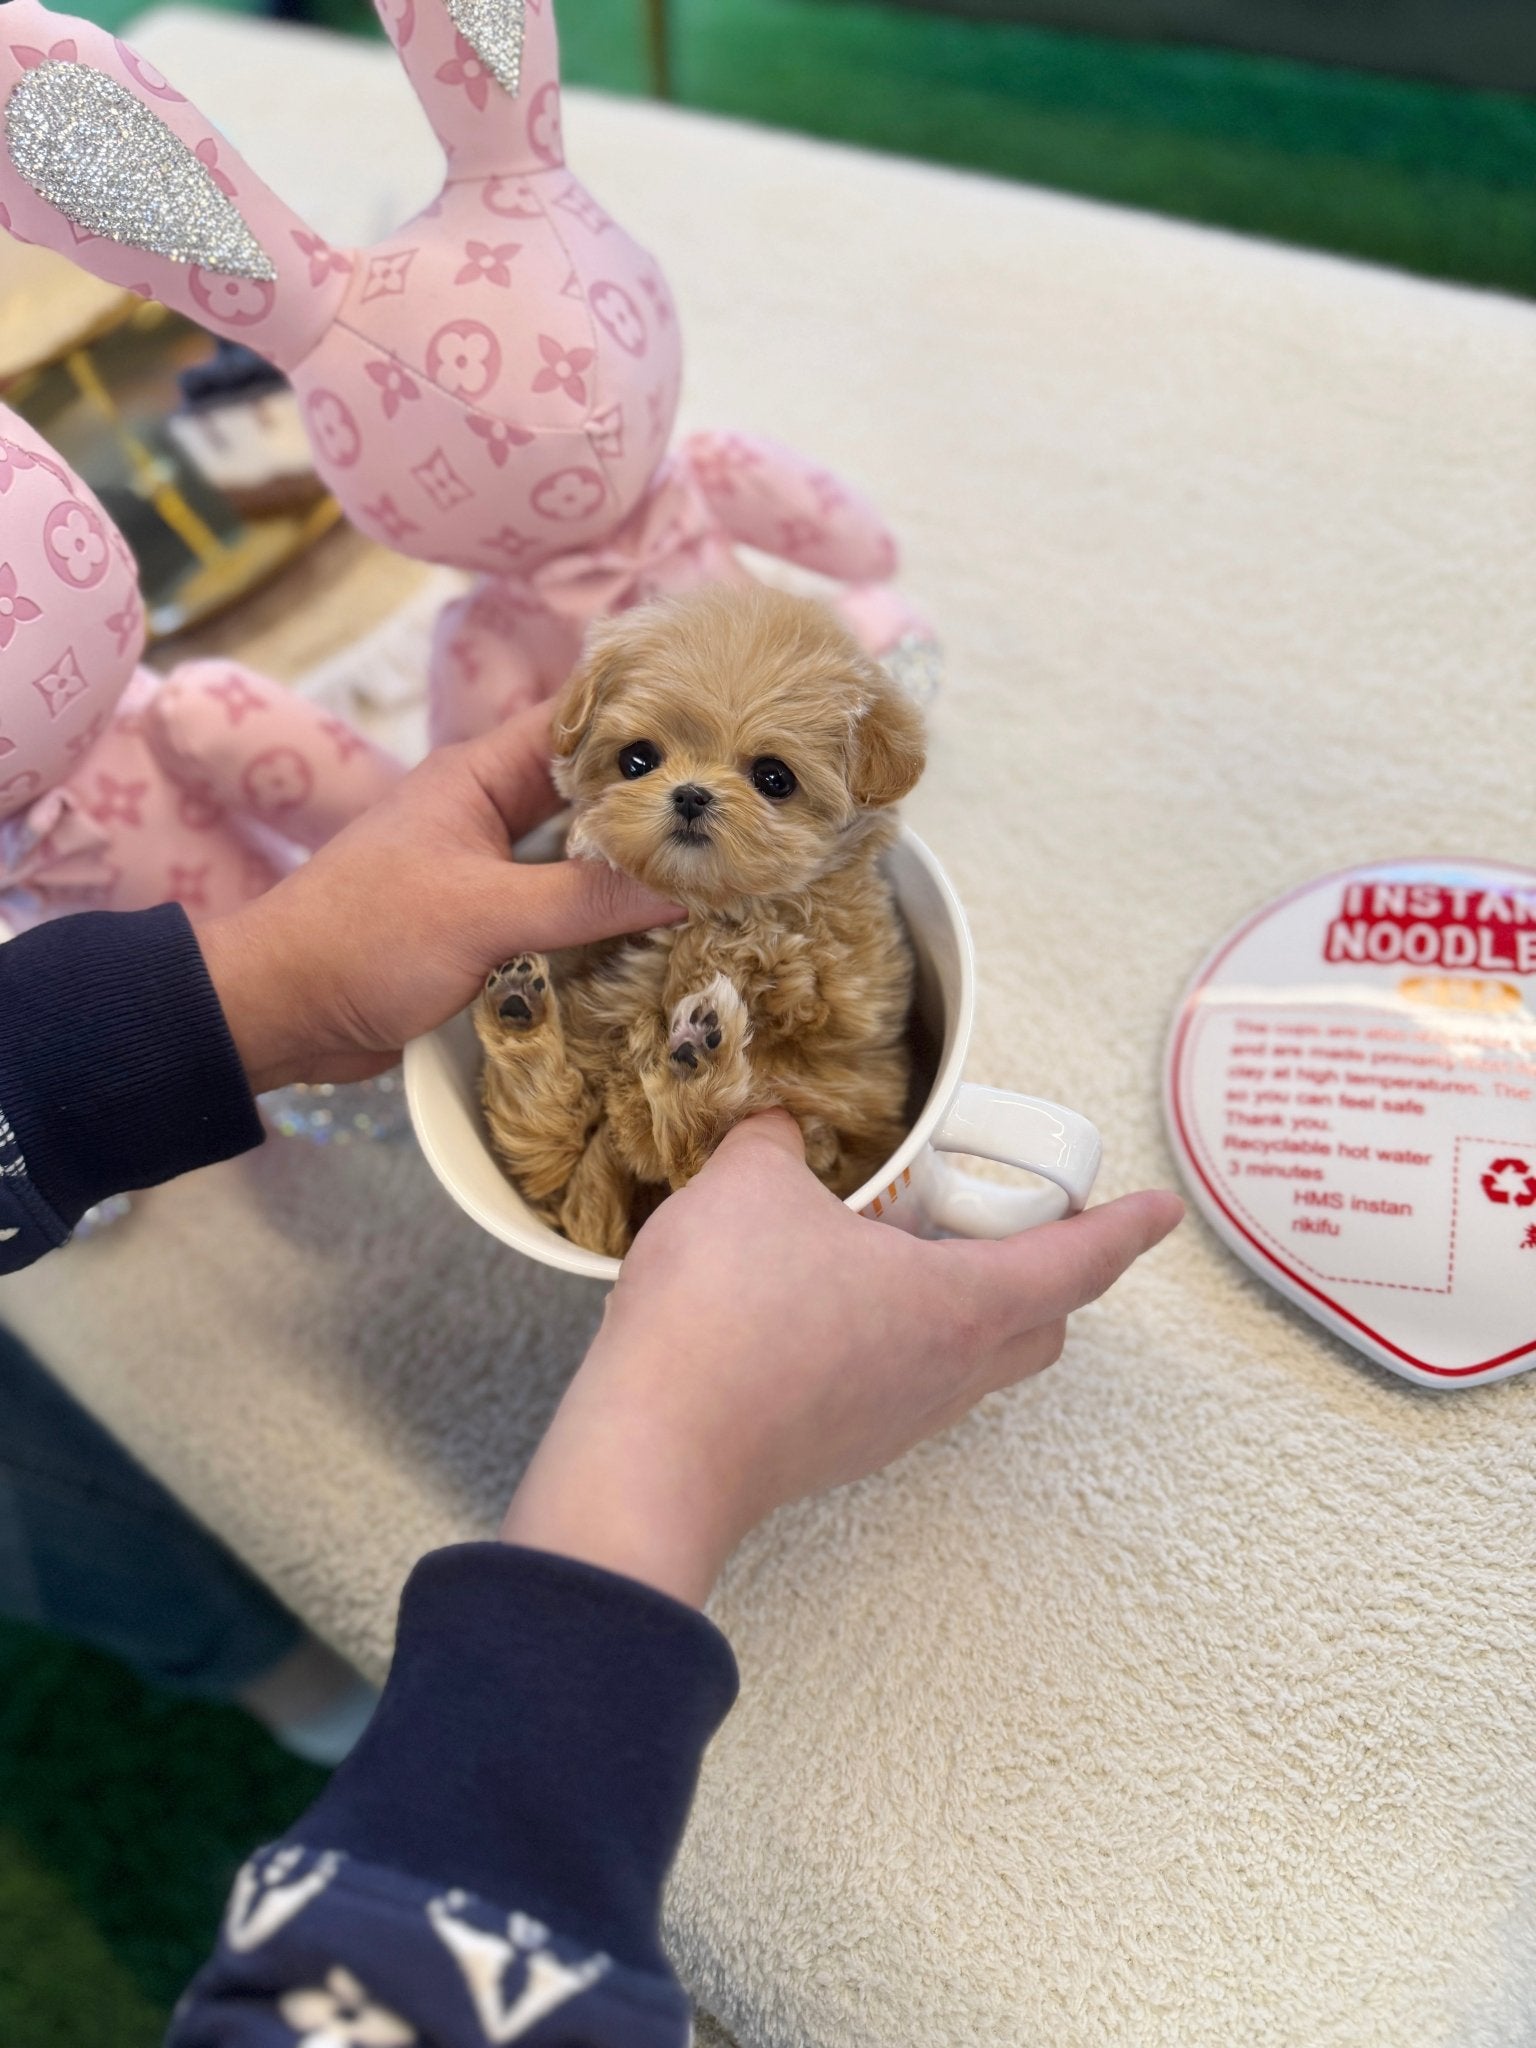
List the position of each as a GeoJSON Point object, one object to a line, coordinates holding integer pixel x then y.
{"type": "Point", "coordinates": [730, 744]}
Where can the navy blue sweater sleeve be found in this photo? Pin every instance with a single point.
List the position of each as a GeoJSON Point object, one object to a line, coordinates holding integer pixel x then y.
{"type": "Point", "coordinates": [117, 1070]}
{"type": "Point", "coordinates": [488, 1865]}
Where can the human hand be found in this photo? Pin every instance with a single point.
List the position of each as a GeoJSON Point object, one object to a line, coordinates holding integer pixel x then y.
{"type": "Point", "coordinates": [394, 925]}
{"type": "Point", "coordinates": [764, 1343]}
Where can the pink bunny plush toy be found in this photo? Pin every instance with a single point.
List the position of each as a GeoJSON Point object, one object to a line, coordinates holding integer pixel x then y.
{"type": "Point", "coordinates": [493, 387]}
{"type": "Point", "coordinates": [118, 790]}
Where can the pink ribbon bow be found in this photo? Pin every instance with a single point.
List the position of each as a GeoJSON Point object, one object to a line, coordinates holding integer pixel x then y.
{"type": "Point", "coordinates": [671, 543]}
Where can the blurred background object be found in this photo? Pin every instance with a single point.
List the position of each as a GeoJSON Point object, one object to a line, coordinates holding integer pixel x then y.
{"type": "Point", "coordinates": [194, 447]}
{"type": "Point", "coordinates": [339, 1112]}
{"type": "Point", "coordinates": [1468, 42]}
{"type": "Point", "coordinates": [1393, 130]}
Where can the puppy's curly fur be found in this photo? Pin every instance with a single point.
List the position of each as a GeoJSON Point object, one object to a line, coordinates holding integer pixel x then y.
{"type": "Point", "coordinates": [736, 751]}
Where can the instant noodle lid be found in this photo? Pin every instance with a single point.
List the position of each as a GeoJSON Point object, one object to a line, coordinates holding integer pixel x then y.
{"type": "Point", "coordinates": [1350, 1087]}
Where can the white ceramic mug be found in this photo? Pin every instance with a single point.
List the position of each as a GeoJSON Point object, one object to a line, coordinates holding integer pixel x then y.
{"type": "Point", "coordinates": [917, 1189]}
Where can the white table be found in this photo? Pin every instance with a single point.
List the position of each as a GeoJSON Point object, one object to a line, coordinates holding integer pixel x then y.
{"type": "Point", "coordinates": [1183, 1697]}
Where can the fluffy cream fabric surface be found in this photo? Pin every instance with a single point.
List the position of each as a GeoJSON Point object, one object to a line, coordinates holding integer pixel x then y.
{"type": "Point", "coordinates": [1183, 1697]}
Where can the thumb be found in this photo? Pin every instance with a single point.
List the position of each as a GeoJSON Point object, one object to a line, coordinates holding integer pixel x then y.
{"type": "Point", "coordinates": [1047, 1273]}
{"type": "Point", "coordinates": [770, 1130]}
{"type": "Point", "coordinates": [511, 764]}
{"type": "Point", "coordinates": [567, 903]}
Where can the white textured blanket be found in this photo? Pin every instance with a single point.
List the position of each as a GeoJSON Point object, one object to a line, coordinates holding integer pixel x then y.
{"type": "Point", "coordinates": [1186, 1696]}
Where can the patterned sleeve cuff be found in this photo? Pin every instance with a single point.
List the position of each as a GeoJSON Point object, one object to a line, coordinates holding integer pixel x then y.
{"type": "Point", "coordinates": [28, 1226]}
{"type": "Point", "coordinates": [319, 1950]}
{"type": "Point", "coordinates": [538, 1741]}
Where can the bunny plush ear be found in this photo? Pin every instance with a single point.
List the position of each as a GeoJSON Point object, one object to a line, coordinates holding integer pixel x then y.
{"type": "Point", "coordinates": [103, 161]}
{"type": "Point", "coordinates": [487, 73]}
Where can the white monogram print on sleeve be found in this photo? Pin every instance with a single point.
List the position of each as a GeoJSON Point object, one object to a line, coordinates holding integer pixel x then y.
{"type": "Point", "coordinates": [271, 1890]}
{"type": "Point", "coordinates": [342, 2015]}
{"type": "Point", "coordinates": [543, 1983]}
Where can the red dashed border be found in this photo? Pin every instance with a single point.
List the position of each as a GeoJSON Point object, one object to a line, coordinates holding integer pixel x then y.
{"type": "Point", "coordinates": [1213, 1166]}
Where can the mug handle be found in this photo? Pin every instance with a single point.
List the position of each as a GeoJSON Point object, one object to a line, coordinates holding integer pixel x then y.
{"type": "Point", "coordinates": [1015, 1130]}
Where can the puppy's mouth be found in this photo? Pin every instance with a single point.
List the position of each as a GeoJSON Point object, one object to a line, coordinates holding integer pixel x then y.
{"type": "Point", "coordinates": [690, 832]}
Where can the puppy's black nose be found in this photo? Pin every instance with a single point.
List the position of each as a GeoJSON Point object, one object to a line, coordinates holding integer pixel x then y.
{"type": "Point", "coordinates": [690, 801]}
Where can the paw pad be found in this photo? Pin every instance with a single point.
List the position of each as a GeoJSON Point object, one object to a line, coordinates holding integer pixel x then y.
{"type": "Point", "coordinates": [709, 1022]}
{"type": "Point", "coordinates": [517, 991]}
{"type": "Point", "coordinates": [697, 1030]}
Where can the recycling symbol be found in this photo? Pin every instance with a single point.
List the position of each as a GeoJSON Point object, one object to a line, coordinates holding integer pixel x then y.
{"type": "Point", "coordinates": [1510, 1181]}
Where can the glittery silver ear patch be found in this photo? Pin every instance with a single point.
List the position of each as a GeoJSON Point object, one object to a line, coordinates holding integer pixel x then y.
{"type": "Point", "coordinates": [87, 146]}
{"type": "Point", "coordinates": [493, 29]}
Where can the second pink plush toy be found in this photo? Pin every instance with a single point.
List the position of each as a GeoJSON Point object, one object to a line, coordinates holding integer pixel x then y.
{"type": "Point", "coordinates": [118, 790]}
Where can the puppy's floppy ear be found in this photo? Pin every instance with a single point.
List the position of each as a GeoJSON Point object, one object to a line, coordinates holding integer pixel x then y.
{"type": "Point", "coordinates": [888, 744]}
{"type": "Point", "coordinates": [603, 661]}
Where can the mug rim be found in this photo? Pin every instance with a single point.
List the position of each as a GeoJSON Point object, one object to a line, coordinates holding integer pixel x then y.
{"type": "Point", "coordinates": [559, 1252]}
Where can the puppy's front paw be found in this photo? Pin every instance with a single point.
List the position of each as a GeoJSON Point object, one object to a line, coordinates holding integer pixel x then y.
{"type": "Point", "coordinates": [706, 1028]}
{"type": "Point", "coordinates": [517, 994]}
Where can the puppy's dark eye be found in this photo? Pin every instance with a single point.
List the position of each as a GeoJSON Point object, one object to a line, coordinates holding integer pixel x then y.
{"type": "Point", "coordinates": [771, 778]}
{"type": "Point", "coordinates": [638, 759]}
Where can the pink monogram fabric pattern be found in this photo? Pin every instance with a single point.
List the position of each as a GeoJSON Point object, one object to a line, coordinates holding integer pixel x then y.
{"type": "Point", "coordinates": [118, 791]}
{"type": "Point", "coordinates": [251, 747]}
{"type": "Point", "coordinates": [120, 834]}
{"type": "Point", "coordinates": [493, 387]}
{"type": "Point", "coordinates": [71, 626]}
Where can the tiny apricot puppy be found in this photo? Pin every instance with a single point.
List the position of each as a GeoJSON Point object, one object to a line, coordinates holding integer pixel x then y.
{"type": "Point", "coordinates": [735, 750]}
